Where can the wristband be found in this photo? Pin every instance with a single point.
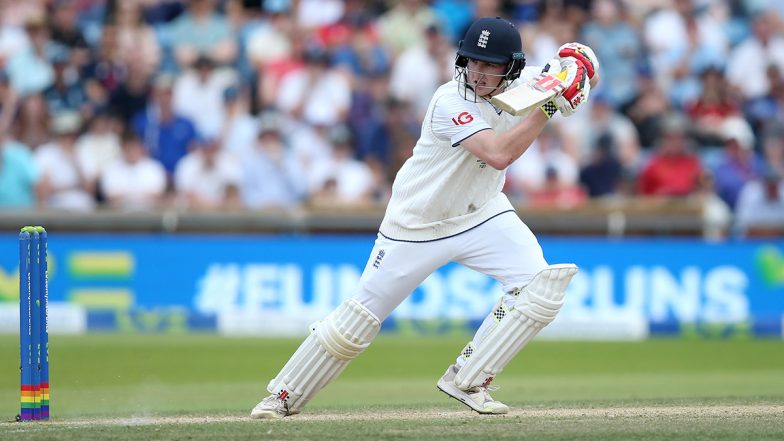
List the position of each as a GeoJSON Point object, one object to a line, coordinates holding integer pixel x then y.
{"type": "Point", "coordinates": [549, 108]}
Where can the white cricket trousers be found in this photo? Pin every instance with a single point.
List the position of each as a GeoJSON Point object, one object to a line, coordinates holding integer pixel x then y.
{"type": "Point", "coordinates": [502, 247]}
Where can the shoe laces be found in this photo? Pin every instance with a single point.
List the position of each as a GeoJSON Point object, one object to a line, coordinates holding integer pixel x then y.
{"type": "Point", "coordinates": [484, 391]}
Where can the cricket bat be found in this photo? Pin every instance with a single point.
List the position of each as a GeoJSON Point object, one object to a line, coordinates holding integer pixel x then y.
{"type": "Point", "coordinates": [530, 94]}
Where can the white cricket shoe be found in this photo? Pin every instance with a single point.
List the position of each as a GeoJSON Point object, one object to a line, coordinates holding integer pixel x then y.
{"type": "Point", "coordinates": [272, 407]}
{"type": "Point", "coordinates": [477, 398]}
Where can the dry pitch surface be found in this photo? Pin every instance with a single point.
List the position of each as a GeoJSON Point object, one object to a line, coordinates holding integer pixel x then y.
{"type": "Point", "coordinates": [723, 421]}
{"type": "Point", "coordinates": [642, 412]}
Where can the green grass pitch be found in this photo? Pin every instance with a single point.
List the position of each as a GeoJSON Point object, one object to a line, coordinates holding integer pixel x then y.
{"type": "Point", "coordinates": [202, 388]}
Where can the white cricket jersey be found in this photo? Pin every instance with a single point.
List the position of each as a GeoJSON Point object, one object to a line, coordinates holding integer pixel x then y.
{"type": "Point", "coordinates": [444, 189]}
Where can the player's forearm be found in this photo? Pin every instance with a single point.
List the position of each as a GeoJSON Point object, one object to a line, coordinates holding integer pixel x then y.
{"type": "Point", "coordinates": [499, 151]}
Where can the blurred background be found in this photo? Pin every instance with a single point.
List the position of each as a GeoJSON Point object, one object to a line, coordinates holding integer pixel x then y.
{"type": "Point", "coordinates": [224, 165]}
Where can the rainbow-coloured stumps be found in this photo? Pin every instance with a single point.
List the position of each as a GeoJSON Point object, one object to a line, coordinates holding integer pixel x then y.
{"type": "Point", "coordinates": [33, 324]}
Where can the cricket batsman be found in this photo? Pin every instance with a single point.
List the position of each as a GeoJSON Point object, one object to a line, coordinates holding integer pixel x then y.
{"type": "Point", "coordinates": [447, 206]}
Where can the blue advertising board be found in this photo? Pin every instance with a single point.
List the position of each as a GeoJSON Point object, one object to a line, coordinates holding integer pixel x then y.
{"type": "Point", "coordinates": [278, 284]}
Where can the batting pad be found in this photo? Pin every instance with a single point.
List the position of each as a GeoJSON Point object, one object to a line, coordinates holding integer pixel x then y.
{"type": "Point", "coordinates": [331, 345]}
{"type": "Point", "coordinates": [537, 306]}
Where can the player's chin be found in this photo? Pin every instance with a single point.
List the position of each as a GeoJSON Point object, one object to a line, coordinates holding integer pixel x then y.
{"type": "Point", "coordinates": [484, 91]}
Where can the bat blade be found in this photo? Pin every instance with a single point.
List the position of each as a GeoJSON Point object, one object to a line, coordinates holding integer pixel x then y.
{"type": "Point", "coordinates": [530, 94]}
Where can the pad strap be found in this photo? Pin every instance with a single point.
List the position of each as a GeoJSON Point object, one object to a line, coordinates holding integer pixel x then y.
{"type": "Point", "coordinates": [537, 306]}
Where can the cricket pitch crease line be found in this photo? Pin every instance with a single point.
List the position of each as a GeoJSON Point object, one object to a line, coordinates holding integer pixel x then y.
{"type": "Point", "coordinates": [365, 415]}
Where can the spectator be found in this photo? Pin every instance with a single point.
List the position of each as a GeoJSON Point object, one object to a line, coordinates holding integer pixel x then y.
{"type": "Point", "coordinates": [130, 96]}
{"type": "Point", "coordinates": [99, 146]}
{"type": "Point", "coordinates": [324, 64]}
{"type": "Point", "coordinates": [681, 41]}
{"type": "Point", "coordinates": [244, 18]}
{"type": "Point", "coordinates": [773, 148]}
{"type": "Point", "coordinates": [542, 39]}
{"type": "Point", "coordinates": [769, 109]}
{"type": "Point", "coordinates": [314, 14]}
{"type": "Point", "coordinates": [90, 17]}
{"type": "Point", "coordinates": [202, 31]}
{"type": "Point", "coordinates": [356, 47]}
{"type": "Point", "coordinates": [275, 49]}
{"type": "Point", "coordinates": [134, 182]}
{"type": "Point", "coordinates": [272, 41]}
{"type": "Point", "coordinates": [581, 133]}
{"type": "Point", "coordinates": [29, 69]}
{"type": "Point", "coordinates": [748, 63]}
{"type": "Point", "coordinates": [355, 17]}
{"type": "Point", "coordinates": [106, 70]}
{"type": "Point", "coordinates": [618, 47]}
{"type": "Point", "coordinates": [673, 170]}
{"type": "Point", "coordinates": [309, 145]}
{"type": "Point", "coordinates": [240, 129]}
{"type": "Point", "coordinates": [602, 175]}
{"type": "Point", "coordinates": [19, 176]}
{"type": "Point", "coordinates": [32, 124]}
{"type": "Point", "coordinates": [13, 37]}
{"type": "Point", "coordinates": [198, 95]}
{"type": "Point", "coordinates": [404, 25]}
{"type": "Point", "coordinates": [19, 13]}
{"type": "Point", "coordinates": [8, 105]}
{"type": "Point", "coordinates": [382, 182]}
{"type": "Point", "coordinates": [456, 16]}
{"type": "Point", "coordinates": [488, 8]}
{"type": "Point", "coordinates": [646, 110]}
{"type": "Point", "coordinates": [556, 192]}
{"type": "Point", "coordinates": [66, 32]}
{"type": "Point", "coordinates": [161, 12]}
{"type": "Point", "coordinates": [208, 177]}
{"type": "Point", "coordinates": [167, 135]}
{"type": "Point", "coordinates": [738, 163]}
{"type": "Point", "coordinates": [371, 113]}
{"type": "Point", "coordinates": [136, 41]}
{"type": "Point", "coordinates": [316, 94]}
{"type": "Point", "coordinates": [403, 139]}
{"type": "Point", "coordinates": [711, 108]}
{"type": "Point", "coordinates": [272, 175]}
{"type": "Point", "coordinates": [760, 207]}
{"type": "Point", "coordinates": [67, 93]}
{"type": "Point", "coordinates": [421, 69]}
{"type": "Point", "coordinates": [65, 184]}
{"type": "Point", "coordinates": [529, 175]}
{"type": "Point", "coordinates": [342, 179]}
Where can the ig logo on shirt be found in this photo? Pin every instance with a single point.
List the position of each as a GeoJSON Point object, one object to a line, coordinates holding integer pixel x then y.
{"type": "Point", "coordinates": [463, 118]}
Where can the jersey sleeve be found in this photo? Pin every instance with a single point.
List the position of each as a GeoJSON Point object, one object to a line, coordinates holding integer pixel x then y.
{"type": "Point", "coordinates": [528, 73]}
{"type": "Point", "coordinates": [456, 119]}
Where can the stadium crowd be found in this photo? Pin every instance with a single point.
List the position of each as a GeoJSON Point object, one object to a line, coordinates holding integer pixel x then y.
{"type": "Point", "coordinates": [237, 104]}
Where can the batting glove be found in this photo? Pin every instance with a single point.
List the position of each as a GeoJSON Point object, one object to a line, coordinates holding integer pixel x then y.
{"type": "Point", "coordinates": [575, 76]}
{"type": "Point", "coordinates": [582, 53]}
